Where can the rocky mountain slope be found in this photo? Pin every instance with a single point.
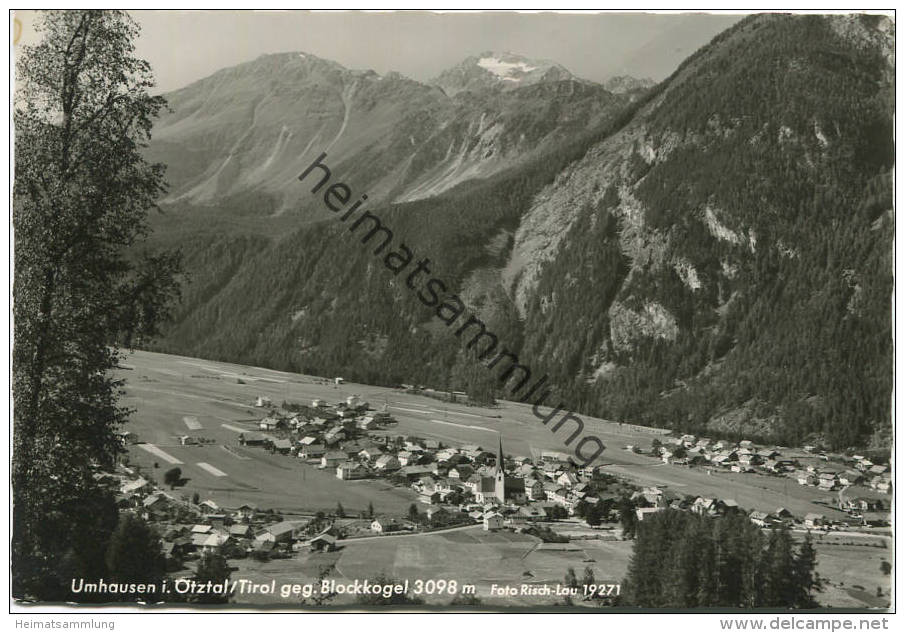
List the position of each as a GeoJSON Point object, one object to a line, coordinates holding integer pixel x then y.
{"type": "Point", "coordinates": [239, 137]}
{"type": "Point", "coordinates": [712, 254]}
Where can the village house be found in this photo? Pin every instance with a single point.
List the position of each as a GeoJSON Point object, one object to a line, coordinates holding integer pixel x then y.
{"type": "Point", "coordinates": [366, 423]}
{"type": "Point", "coordinates": [706, 506]}
{"type": "Point", "coordinates": [333, 459]}
{"type": "Point", "coordinates": [285, 531]}
{"type": "Point", "coordinates": [209, 506]}
{"type": "Point", "coordinates": [865, 504]}
{"type": "Point", "coordinates": [559, 496]}
{"type": "Point", "coordinates": [446, 454]}
{"type": "Point", "coordinates": [334, 435]}
{"type": "Point", "coordinates": [240, 530]}
{"type": "Point", "coordinates": [382, 525]}
{"type": "Point", "coordinates": [826, 481]}
{"type": "Point", "coordinates": [312, 451]}
{"type": "Point", "coordinates": [252, 439]}
{"type": "Point", "coordinates": [493, 521]}
{"type": "Point", "coordinates": [881, 484]}
{"type": "Point", "coordinates": [430, 497]}
{"type": "Point", "coordinates": [641, 513]}
{"type": "Point", "coordinates": [438, 513]}
{"type": "Point", "coordinates": [282, 446]}
{"type": "Point", "coordinates": [371, 453]}
{"type": "Point", "coordinates": [270, 424]}
{"type": "Point", "coordinates": [531, 512]}
{"type": "Point", "coordinates": [534, 489]}
{"type": "Point", "coordinates": [760, 519]}
{"type": "Point", "coordinates": [387, 463]}
{"type": "Point", "coordinates": [416, 472]}
{"type": "Point", "coordinates": [322, 543]}
{"type": "Point", "coordinates": [214, 542]}
{"type": "Point", "coordinates": [783, 514]}
{"type": "Point", "coordinates": [851, 478]}
{"type": "Point", "coordinates": [461, 471]}
{"type": "Point", "coordinates": [813, 520]}
{"type": "Point", "coordinates": [138, 486]}
{"type": "Point", "coordinates": [448, 485]}
{"type": "Point", "coordinates": [156, 506]}
{"type": "Point", "coordinates": [351, 470]}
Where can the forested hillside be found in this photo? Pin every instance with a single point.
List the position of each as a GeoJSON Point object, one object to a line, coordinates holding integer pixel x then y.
{"type": "Point", "coordinates": [714, 257]}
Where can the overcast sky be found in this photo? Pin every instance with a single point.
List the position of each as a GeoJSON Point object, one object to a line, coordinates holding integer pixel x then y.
{"type": "Point", "coordinates": [186, 46]}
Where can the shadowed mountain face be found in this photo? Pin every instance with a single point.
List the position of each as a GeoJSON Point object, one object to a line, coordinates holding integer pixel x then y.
{"type": "Point", "coordinates": [712, 254]}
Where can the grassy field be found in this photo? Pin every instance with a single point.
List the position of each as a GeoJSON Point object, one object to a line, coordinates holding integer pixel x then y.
{"type": "Point", "coordinates": [470, 556]}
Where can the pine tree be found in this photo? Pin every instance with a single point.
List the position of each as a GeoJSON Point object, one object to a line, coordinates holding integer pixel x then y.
{"type": "Point", "coordinates": [212, 567]}
{"type": "Point", "coordinates": [134, 554]}
{"type": "Point", "coordinates": [780, 578]}
{"type": "Point", "coordinates": [807, 580]}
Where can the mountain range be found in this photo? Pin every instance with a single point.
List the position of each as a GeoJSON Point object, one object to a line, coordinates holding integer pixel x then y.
{"type": "Point", "coordinates": [711, 254]}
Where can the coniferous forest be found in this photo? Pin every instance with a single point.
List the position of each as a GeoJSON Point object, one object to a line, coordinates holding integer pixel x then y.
{"type": "Point", "coordinates": [685, 560]}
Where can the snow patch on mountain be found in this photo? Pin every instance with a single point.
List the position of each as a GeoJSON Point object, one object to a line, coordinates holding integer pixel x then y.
{"type": "Point", "coordinates": [503, 69]}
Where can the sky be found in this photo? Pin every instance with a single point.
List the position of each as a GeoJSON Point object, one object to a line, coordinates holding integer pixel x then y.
{"type": "Point", "coordinates": [184, 46]}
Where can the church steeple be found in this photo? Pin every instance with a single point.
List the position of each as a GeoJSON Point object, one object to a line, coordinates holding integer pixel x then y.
{"type": "Point", "coordinates": [500, 474]}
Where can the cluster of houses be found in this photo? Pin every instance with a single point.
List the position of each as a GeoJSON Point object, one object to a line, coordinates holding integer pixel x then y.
{"type": "Point", "coordinates": [188, 530]}
{"type": "Point", "coordinates": [745, 456]}
{"type": "Point", "coordinates": [649, 500]}
{"type": "Point", "coordinates": [325, 434]}
{"type": "Point", "coordinates": [490, 487]}
{"type": "Point", "coordinates": [453, 479]}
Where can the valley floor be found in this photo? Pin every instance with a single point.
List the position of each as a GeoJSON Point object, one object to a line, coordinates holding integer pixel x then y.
{"type": "Point", "coordinates": [174, 396]}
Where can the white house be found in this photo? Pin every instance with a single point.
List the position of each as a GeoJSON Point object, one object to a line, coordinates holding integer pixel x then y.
{"type": "Point", "coordinates": [387, 463]}
{"type": "Point", "coordinates": [493, 521]}
{"type": "Point", "coordinates": [383, 524]}
{"type": "Point", "coordinates": [351, 470]}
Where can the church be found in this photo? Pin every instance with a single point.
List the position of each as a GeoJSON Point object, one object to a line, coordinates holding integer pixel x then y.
{"type": "Point", "coordinates": [507, 489]}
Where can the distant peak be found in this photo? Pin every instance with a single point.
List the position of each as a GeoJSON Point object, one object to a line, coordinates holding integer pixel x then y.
{"type": "Point", "coordinates": [493, 70]}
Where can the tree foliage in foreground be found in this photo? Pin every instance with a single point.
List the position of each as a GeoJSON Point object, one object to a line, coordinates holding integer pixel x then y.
{"type": "Point", "coordinates": [82, 287]}
{"type": "Point", "coordinates": [684, 560]}
{"type": "Point", "coordinates": [134, 554]}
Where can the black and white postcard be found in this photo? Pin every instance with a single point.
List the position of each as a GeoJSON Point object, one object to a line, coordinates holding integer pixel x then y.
{"type": "Point", "coordinates": [453, 312]}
